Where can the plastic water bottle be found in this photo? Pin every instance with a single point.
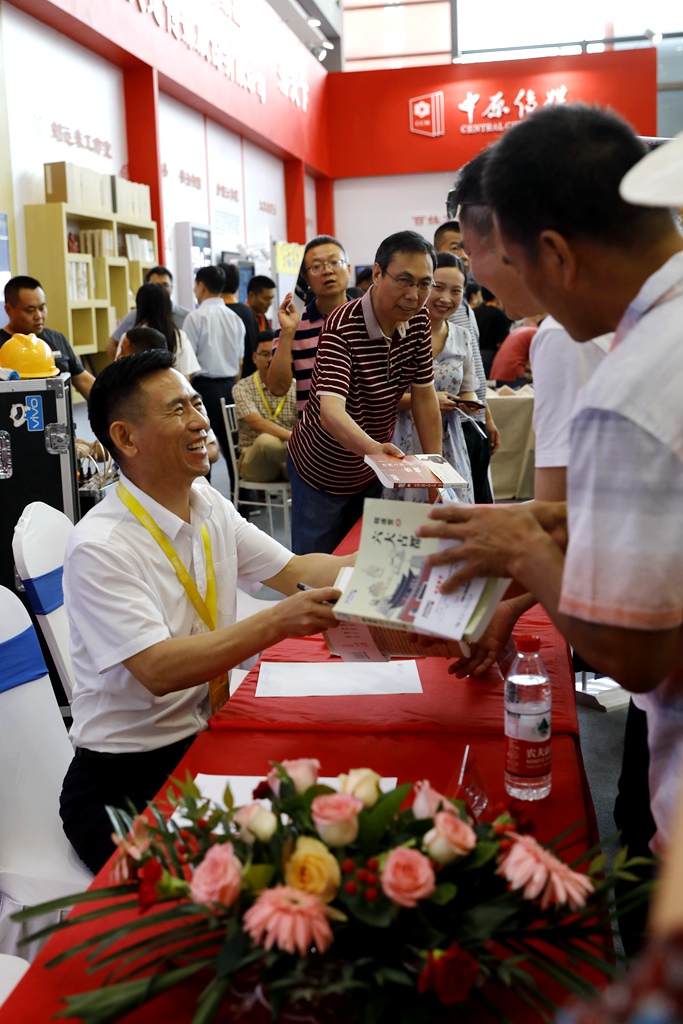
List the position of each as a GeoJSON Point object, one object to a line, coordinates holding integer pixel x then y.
{"type": "Point", "coordinates": [527, 724]}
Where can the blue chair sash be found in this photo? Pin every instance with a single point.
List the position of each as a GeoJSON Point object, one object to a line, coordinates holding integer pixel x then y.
{"type": "Point", "coordinates": [46, 592]}
{"type": "Point", "coordinates": [21, 660]}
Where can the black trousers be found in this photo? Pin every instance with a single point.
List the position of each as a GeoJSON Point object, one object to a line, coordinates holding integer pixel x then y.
{"type": "Point", "coordinates": [212, 389]}
{"type": "Point", "coordinates": [634, 820]}
{"type": "Point", "coordinates": [95, 781]}
{"type": "Point", "coordinates": [479, 451]}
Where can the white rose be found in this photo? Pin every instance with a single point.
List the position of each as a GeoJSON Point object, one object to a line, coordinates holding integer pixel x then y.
{"type": "Point", "coordinates": [362, 783]}
{"type": "Point", "coordinates": [255, 822]}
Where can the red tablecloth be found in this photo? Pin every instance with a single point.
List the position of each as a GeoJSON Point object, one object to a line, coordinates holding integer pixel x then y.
{"type": "Point", "coordinates": [470, 706]}
{"type": "Point", "coordinates": [411, 737]}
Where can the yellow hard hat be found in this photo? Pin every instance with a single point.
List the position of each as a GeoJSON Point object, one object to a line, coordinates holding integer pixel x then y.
{"type": "Point", "coordinates": [29, 355]}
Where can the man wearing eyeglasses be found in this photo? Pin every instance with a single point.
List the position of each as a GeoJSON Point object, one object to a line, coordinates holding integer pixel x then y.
{"type": "Point", "coordinates": [371, 351]}
{"type": "Point", "coordinates": [295, 347]}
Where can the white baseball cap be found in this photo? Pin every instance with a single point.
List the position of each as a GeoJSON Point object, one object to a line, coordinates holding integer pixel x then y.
{"type": "Point", "coordinates": [657, 179]}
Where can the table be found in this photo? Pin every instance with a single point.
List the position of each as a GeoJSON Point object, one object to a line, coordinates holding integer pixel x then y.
{"type": "Point", "coordinates": [512, 467]}
{"type": "Point", "coordinates": [409, 736]}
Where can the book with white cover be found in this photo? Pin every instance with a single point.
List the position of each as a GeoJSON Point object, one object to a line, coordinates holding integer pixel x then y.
{"type": "Point", "coordinates": [415, 471]}
{"type": "Point", "coordinates": [392, 586]}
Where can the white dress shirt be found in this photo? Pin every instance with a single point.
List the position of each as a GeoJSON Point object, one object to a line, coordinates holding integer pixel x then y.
{"type": "Point", "coordinates": [122, 596]}
{"type": "Point", "coordinates": [217, 337]}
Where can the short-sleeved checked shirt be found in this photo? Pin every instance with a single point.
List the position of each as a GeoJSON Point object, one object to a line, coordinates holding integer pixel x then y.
{"type": "Point", "coordinates": [248, 400]}
{"type": "Point", "coordinates": [624, 563]}
{"type": "Point", "coordinates": [358, 363]}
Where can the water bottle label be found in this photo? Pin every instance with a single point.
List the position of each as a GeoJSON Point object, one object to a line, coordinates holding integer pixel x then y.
{"type": "Point", "coordinates": [527, 743]}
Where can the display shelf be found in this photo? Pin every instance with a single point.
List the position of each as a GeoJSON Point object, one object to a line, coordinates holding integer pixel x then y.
{"type": "Point", "coordinates": [109, 281]}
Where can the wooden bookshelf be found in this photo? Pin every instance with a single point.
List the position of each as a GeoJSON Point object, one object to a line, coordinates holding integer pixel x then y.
{"type": "Point", "coordinates": [112, 281]}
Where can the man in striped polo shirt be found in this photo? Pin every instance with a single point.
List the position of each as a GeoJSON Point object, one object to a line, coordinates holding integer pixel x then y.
{"type": "Point", "coordinates": [326, 269]}
{"type": "Point", "coordinates": [371, 350]}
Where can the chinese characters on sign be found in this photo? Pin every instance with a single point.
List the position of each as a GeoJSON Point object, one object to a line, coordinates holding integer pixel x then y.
{"type": "Point", "coordinates": [267, 207]}
{"type": "Point", "coordinates": [192, 180]}
{"type": "Point", "coordinates": [525, 102]}
{"type": "Point", "coordinates": [421, 219]}
{"type": "Point", "coordinates": [75, 137]}
{"type": "Point", "coordinates": [207, 28]}
{"type": "Point", "coordinates": [293, 87]}
{"type": "Point", "coordinates": [228, 193]}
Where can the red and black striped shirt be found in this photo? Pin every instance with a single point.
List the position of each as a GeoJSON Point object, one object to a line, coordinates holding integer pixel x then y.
{"type": "Point", "coordinates": [358, 363]}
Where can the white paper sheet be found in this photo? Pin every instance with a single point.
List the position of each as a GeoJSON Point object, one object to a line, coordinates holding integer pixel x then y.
{"type": "Point", "coordinates": [336, 679]}
{"type": "Point", "coordinates": [212, 787]}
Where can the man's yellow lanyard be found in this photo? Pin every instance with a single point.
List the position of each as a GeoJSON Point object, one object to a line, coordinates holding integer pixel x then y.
{"type": "Point", "coordinates": [278, 410]}
{"type": "Point", "coordinates": [206, 609]}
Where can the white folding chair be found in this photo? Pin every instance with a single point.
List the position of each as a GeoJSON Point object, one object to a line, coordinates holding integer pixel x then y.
{"type": "Point", "coordinates": [12, 970]}
{"type": "Point", "coordinates": [38, 545]}
{"type": "Point", "coordinates": [279, 489]}
{"type": "Point", "coordinates": [37, 862]}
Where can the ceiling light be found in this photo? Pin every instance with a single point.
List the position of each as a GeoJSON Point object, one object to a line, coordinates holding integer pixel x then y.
{"type": "Point", "coordinates": [314, 22]}
{"type": "Point", "coordinates": [322, 54]}
{"type": "Point", "coordinates": [654, 37]}
{"type": "Point", "coordinates": [327, 45]}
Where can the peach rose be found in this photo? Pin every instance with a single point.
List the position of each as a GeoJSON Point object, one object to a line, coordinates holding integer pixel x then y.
{"type": "Point", "coordinates": [363, 783]}
{"type": "Point", "coordinates": [451, 837]}
{"type": "Point", "coordinates": [255, 822]}
{"type": "Point", "coordinates": [428, 801]}
{"type": "Point", "coordinates": [407, 877]}
{"type": "Point", "coordinates": [312, 868]}
{"type": "Point", "coordinates": [335, 816]}
{"type": "Point", "coordinates": [218, 879]}
{"type": "Point", "coordinates": [303, 771]}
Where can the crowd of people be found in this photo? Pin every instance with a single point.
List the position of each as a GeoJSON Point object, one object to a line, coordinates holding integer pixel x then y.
{"type": "Point", "coordinates": [400, 368]}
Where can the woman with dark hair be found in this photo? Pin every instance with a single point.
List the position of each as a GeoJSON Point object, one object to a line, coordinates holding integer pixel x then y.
{"type": "Point", "coordinates": [454, 376]}
{"type": "Point", "coordinates": [154, 309]}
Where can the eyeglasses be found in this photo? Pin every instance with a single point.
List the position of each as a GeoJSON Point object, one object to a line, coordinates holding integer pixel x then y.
{"type": "Point", "coordinates": [452, 204]}
{"type": "Point", "coordinates": [319, 268]}
{"type": "Point", "coordinates": [406, 283]}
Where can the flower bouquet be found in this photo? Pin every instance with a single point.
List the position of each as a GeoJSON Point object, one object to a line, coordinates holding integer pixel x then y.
{"type": "Point", "coordinates": [317, 904]}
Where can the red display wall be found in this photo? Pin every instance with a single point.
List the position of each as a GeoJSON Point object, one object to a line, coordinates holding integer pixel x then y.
{"type": "Point", "coordinates": [436, 118]}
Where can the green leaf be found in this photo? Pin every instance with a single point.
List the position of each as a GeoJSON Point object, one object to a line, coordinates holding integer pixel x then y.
{"type": "Point", "coordinates": [481, 854]}
{"type": "Point", "coordinates": [232, 951]}
{"type": "Point", "coordinates": [111, 892]}
{"type": "Point", "coordinates": [258, 876]}
{"type": "Point", "coordinates": [443, 894]}
{"type": "Point", "coordinates": [109, 1004]}
{"type": "Point", "coordinates": [374, 821]}
{"type": "Point", "coordinates": [393, 976]}
{"type": "Point", "coordinates": [228, 799]}
{"type": "Point", "coordinates": [597, 864]}
{"type": "Point", "coordinates": [210, 1001]}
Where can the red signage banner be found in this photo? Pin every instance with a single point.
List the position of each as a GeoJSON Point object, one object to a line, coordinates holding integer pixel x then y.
{"type": "Point", "coordinates": [406, 121]}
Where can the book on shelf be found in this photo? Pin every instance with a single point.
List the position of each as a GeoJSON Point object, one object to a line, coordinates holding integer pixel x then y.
{"type": "Point", "coordinates": [77, 282]}
{"type": "Point", "coordinates": [415, 471]}
{"type": "Point", "coordinates": [393, 587]}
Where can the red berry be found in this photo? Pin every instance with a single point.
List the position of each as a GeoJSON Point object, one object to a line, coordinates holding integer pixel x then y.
{"type": "Point", "coordinates": [202, 822]}
{"type": "Point", "coordinates": [371, 878]}
{"type": "Point", "coordinates": [372, 864]}
{"type": "Point", "coordinates": [362, 875]}
{"type": "Point", "coordinates": [371, 895]}
{"type": "Point", "coordinates": [348, 866]}
{"type": "Point", "coordinates": [350, 888]}
{"type": "Point", "coordinates": [500, 828]}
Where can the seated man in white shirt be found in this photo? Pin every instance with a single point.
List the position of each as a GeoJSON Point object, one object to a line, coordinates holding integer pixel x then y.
{"type": "Point", "coordinates": [144, 643]}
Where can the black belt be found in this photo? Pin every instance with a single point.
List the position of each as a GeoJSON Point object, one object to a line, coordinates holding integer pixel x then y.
{"type": "Point", "coordinates": [85, 754]}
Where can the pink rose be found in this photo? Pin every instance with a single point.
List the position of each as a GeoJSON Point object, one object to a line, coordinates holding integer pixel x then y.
{"type": "Point", "coordinates": [255, 822]}
{"type": "Point", "coordinates": [407, 877]}
{"type": "Point", "coordinates": [303, 771]}
{"type": "Point", "coordinates": [428, 801]}
{"type": "Point", "coordinates": [451, 837]}
{"type": "Point", "coordinates": [218, 879]}
{"type": "Point", "coordinates": [335, 816]}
